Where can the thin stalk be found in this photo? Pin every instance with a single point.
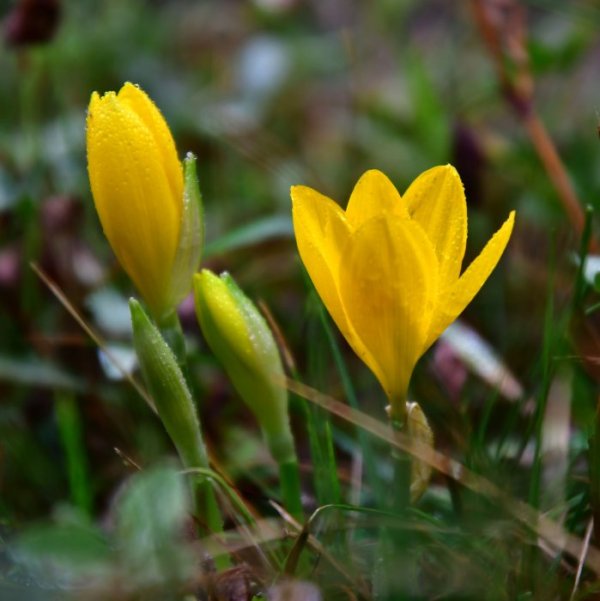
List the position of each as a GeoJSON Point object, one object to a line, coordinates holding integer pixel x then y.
{"type": "Point", "coordinates": [194, 456]}
{"type": "Point", "coordinates": [547, 349]}
{"type": "Point", "coordinates": [325, 474]}
{"type": "Point", "coordinates": [549, 344]}
{"type": "Point", "coordinates": [237, 503]}
{"type": "Point", "coordinates": [235, 499]}
{"type": "Point", "coordinates": [291, 491]}
{"type": "Point", "coordinates": [71, 434]}
{"type": "Point", "coordinates": [170, 328]}
{"type": "Point", "coordinates": [283, 450]}
{"type": "Point", "coordinates": [400, 488]}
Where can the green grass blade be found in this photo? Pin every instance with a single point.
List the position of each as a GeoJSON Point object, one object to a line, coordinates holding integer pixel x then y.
{"type": "Point", "coordinates": [350, 393]}
{"type": "Point", "coordinates": [71, 433]}
{"type": "Point", "coordinates": [326, 480]}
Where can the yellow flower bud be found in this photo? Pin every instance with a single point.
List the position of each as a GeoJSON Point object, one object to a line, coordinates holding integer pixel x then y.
{"type": "Point", "coordinates": [388, 268]}
{"type": "Point", "coordinates": [241, 340]}
{"type": "Point", "coordinates": [138, 186]}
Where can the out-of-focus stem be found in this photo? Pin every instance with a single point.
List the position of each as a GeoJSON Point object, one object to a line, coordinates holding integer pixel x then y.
{"type": "Point", "coordinates": [291, 491]}
{"type": "Point", "coordinates": [555, 169]}
{"type": "Point", "coordinates": [504, 34]}
{"type": "Point", "coordinates": [170, 328]}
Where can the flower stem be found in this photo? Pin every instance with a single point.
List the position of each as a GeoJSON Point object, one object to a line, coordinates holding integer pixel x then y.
{"type": "Point", "coordinates": [282, 448]}
{"type": "Point", "coordinates": [401, 460]}
{"type": "Point", "coordinates": [207, 509]}
{"type": "Point", "coordinates": [170, 328]}
{"type": "Point", "coordinates": [291, 492]}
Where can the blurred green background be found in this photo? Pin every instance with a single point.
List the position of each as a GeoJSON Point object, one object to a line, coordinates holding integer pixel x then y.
{"type": "Point", "coordinates": [267, 94]}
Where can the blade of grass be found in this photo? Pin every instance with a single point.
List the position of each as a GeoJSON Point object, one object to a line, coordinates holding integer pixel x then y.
{"type": "Point", "coordinates": [289, 471]}
{"type": "Point", "coordinates": [580, 563]}
{"type": "Point", "coordinates": [350, 393]}
{"type": "Point", "coordinates": [256, 232]}
{"type": "Point", "coordinates": [71, 434]}
{"type": "Point", "coordinates": [322, 451]}
{"type": "Point", "coordinates": [548, 350]}
{"type": "Point", "coordinates": [235, 499]}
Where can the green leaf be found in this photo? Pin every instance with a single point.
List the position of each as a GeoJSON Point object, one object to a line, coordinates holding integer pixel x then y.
{"type": "Point", "coordinates": [150, 519]}
{"type": "Point", "coordinates": [33, 371]}
{"type": "Point", "coordinates": [63, 554]}
{"type": "Point", "coordinates": [262, 230]}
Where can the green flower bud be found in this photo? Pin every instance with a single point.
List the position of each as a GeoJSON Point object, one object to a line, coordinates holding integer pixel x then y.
{"type": "Point", "coordinates": [168, 388]}
{"type": "Point", "coordinates": [175, 407]}
{"type": "Point", "coordinates": [242, 341]}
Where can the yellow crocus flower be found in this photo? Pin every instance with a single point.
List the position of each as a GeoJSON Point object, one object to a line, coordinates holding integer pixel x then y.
{"type": "Point", "coordinates": [137, 182]}
{"type": "Point", "coordinates": [388, 268]}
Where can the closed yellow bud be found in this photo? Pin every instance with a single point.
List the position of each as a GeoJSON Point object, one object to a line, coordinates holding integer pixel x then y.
{"type": "Point", "coordinates": [138, 186]}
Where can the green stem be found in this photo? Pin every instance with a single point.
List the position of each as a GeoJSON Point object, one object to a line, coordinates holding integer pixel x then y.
{"type": "Point", "coordinates": [282, 448]}
{"type": "Point", "coordinates": [552, 336]}
{"type": "Point", "coordinates": [402, 461]}
{"type": "Point", "coordinates": [291, 491]}
{"type": "Point", "coordinates": [194, 456]}
{"type": "Point", "coordinates": [235, 499]}
{"type": "Point", "coordinates": [170, 328]}
{"type": "Point", "coordinates": [394, 547]}
{"type": "Point", "coordinates": [70, 427]}
{"type": "Point", "coordinates": [207, 506]}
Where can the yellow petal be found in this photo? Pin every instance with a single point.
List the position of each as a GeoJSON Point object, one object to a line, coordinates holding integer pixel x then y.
{"type": "Point", "coordinates": [436, 199]}
{"type": "Point", "coordinates": [388, 286]}
{"type": "Point", "coordinates": [133, 194]}
{"type": "Point", "coordinates": [373, 194]}
{"type": "Point", "coordinates": [141, 104]}
{"type": "Point", "coordinates": [321, 233]}
{"type": "Point", "coordinates": [454, 301]}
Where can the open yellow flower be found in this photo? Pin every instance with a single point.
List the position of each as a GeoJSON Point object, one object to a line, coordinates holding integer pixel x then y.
{"type": "Point", "coordinates": [389, 268]}
{"type": "Point", "coordinates": [138, 186]}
